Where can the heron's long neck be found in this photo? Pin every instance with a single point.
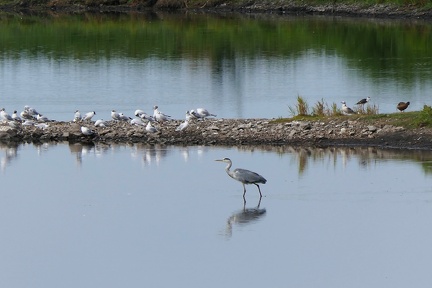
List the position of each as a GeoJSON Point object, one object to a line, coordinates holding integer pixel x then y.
{"type": "Point", "coordinates": [227, 168]}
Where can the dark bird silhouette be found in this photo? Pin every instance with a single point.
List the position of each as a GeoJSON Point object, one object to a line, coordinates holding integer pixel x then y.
{"type": "Point", "coordinates": [401, 106]}
{"type": "Point", "coordinates": [363, 101]}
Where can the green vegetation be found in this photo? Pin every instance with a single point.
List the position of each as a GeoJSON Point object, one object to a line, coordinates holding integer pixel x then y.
{"type": "Point", "coordinates": [322, 109]}
{"type": "Point", "coordinates": [321, 112]}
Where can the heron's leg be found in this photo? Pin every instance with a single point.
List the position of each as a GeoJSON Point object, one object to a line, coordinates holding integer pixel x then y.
{"type": "Point", "coordinates": [244, 191]}
{"type": "Point", "coordinates": [259, 190]}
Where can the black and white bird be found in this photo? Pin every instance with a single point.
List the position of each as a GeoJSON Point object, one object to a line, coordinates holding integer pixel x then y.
{"type": "Point", "coordinates": [4, 116]}
{"type": "Point", "coordinates": [363, 101]}
{"type": "Point", "coordinates": [87, 131]}
{"type": "Point", "coordinates": [16, 117]}
{"type": "Point", "coordinates": [346, 110]}
{"type": "Point", "coordinates": [115, 115]}
{"type": "Point", "coordinates": [123, 117]}
{"type": "Point", "coordinates": [159, 116]}
{"type": "Point", "coordinates": [77, 116]}
{"type": "Point", "coordinates": [88, 116]}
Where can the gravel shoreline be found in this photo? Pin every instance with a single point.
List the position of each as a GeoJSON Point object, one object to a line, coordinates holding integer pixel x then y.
{"type": "Point", "coordinates": [229, 132]}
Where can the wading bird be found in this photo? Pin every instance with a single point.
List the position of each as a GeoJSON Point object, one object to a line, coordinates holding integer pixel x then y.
{"type": "Point", "coordinates": [402, 106]}
{"type": "Point", "coordinates": [363, 101]}
{"type": "Point", "coordinates": [244, 176]}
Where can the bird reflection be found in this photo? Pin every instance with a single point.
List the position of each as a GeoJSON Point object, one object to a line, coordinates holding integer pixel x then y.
{"type": "Point", "coordinates": [79, 149]}
{"type": "Point", "coordinates": [10, 153]}
{"type": "Point", "coordinates": [243, 217]}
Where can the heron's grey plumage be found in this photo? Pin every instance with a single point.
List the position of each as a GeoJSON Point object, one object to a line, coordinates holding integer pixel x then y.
{"type": "Point", "coordinates": [244, 176]}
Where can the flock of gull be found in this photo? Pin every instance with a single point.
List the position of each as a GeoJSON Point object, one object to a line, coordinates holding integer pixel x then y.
{"type": "Point", "coordinates": [30, 117]}
{"type": "Point", "coordinates": [401, 106]}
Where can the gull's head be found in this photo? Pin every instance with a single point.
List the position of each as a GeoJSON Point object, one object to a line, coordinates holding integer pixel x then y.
{"type": "Point", "coordinates": [155, 107]}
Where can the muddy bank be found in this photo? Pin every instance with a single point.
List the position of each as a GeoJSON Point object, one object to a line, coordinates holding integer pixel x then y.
{"type": "Point", "coordinates": [333, 8]}
{"type": "Point", "coordinates": [340, 132]}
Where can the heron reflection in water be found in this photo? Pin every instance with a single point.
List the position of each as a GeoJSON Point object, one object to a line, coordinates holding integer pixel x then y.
{"type": "Point", "coordinates": [244, 217]}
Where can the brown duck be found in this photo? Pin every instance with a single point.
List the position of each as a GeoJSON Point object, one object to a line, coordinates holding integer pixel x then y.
{"type": "Point", "coordinates": [402, 106]}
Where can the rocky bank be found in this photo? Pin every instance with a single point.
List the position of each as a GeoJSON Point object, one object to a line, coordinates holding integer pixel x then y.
{"type": "Point", "coordinates": [344, 131]}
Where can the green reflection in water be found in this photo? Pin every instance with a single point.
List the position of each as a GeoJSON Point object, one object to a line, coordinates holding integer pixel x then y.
{"type": "Point", "coordinates": [380, 49]}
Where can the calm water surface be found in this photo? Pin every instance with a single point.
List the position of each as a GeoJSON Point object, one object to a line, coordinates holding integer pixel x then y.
{"type": "Point", "coordinates": [236, 66]}
{"type": "Point", "coordinates": [134, 216]}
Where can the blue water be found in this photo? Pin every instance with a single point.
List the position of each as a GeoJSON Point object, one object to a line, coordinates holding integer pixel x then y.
{"type": "Point", "coordinates": [134, 216]}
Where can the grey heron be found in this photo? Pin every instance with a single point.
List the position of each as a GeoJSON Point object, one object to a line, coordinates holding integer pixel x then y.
{"type": "Point", "coordinates": [244, 176]}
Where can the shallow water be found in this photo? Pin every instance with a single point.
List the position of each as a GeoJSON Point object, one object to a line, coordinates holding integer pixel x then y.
{"type": "Point", "coordinates": [85, 216]}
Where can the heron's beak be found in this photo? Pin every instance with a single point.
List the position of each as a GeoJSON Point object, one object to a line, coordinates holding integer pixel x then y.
{"type": "Point", "coordinates": [218, 160]}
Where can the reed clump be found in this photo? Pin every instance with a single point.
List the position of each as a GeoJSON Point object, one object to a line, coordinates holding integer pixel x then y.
{"type": "Point", "coordinates": [323, 109]}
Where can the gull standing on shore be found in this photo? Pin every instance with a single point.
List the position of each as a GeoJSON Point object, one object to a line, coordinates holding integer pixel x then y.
{"type": "Point", "coordinates": [5, 116]}
{"type": "Point", "coordinates": [115, 116]}
{"type": "Point", "coordinates": [88, 116]}
{"type": "Point", "coordinates": [346, 110]}
{"type": "Point", "coordinates": [203, 113]}
{"type": "Point", "coordinates": [77, 116]}
{"type": "Point", "coordinates": [16, 117]}
{"type": "Point", "coordinates": [159, 116]}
